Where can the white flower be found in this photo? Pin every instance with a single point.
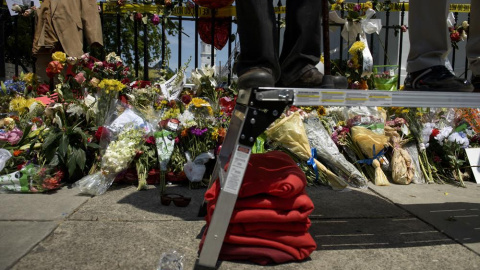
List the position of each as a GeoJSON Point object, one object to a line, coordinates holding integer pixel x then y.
{"type": "Point", "coordinates": [443, 134]}
{"type": "Point", "coordinates": [426, 132]}
{"type": "Point", "coordinates": [51, 110]}
{"type": "Point", "coordinates": [196, 77]}
{"type": "Point", "coordinates": [187, 119]}
{"type": "Point", "coordinates": [459, 138]}
{"type": "Point", "coordinates": [208, 71]}
{"type": "Point", "coordinates": [76, 109]}
{"type": "Point", "coordinates": [16, 8]}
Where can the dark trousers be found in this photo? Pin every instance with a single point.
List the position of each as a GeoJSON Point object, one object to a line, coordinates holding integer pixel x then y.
{"type": "Point", "coordinates": [259, 39]}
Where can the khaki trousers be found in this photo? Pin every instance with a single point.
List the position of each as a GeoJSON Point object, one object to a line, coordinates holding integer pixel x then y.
{"type": "Point", "coordinates": [429, 42]}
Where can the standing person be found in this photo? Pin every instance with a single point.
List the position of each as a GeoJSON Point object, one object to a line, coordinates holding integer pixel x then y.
{"type": "Point", "coordinates": [259, 63]}
{"type": "Point", "coordinates": [429, 47]}
{"type": "Point", "coordinates": [62, 26]}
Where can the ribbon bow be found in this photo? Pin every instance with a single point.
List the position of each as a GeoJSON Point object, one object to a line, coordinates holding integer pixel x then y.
{"type": "Point", "coordinates": [311, 162]}
{"type": "Point", "coordinates": [369, 161]}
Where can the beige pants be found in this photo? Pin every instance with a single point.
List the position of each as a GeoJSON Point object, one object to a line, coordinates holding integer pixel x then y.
{"type": "Point", "coordinates": [429, 43]}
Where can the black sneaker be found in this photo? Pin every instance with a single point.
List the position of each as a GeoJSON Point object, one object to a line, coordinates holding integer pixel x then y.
{"type": "Point", "coordinates": [436, 78]}
{"type": "Point", "coordinates": [476, 83]}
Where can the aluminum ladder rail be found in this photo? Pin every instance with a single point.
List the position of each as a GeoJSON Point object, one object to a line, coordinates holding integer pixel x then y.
{"type": "Point", "coordinates": [257, 108]}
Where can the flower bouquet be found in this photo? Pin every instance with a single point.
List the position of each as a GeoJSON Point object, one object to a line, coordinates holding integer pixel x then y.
{"type": "Point", "coordinates": [372, 145]}
{"type": "Point", "coordinates": [329, 154]}
{"type": "Point", "coordinates": [289, 132]}
{"type": "Point", "coordinates": [120, 152]}
{"type": "Point", "coordinates": [31, 179]}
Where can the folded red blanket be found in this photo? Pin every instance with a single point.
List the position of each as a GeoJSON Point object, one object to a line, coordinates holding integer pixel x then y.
{"type": "Point", "coordinates": [298, 245]}
{"type": "Point", "coordinates": [255, 254]}
{"type": "Point", "coordinates": [273, 173]}
{"type": "Point", "coordinates": [268, 209]}
{"type": "Point", "coordinates": [246, 228]}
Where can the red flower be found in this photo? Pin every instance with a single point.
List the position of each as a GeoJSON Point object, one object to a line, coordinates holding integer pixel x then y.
{"type": "Point", "coordinates": [53, 68]}
{"type": "Point", "coordinates": [123, 99]}
{"type": "Point", "coordinates": [59, 175]}
{"type": "Point", "coordinates": [228, 105]}
{"type": "Point", "coordinates": [17, 153]}
{"type": "Point", "coordinates": [150, 140]}
{"type": "Point", "coordinates": [43, 89]}
{"type": "Point", "coordinates": [101, 133]}
{"type": "Point", "coordinates": [186, 99]}
{"type": "Point", "coordinates": [138, 16]}
{"type": "Point", "coordinates": [50, 183]}
{"type": "Point", "coordinates": [125, 81]}
{"type": "Point", "coordinates": [455, 36]}
{"type": "Point", "coordinates": [434, 133]}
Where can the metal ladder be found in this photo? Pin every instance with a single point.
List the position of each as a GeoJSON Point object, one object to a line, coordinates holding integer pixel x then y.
{"type": "Point", "coordinates": [257, 108]}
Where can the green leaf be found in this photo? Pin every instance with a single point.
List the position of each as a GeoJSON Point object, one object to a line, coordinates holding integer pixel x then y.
{"type": "Point", "coordinates": [72, 165]}
{"type": "Point", "coordinates": [80, 158]}
{"type": "Point", "coordinates": [51, 139]}
{"type": "Point", "coordinates": [54, 161]}
{"type": "Point", "coordinates": [93, 145]}
{"type": "Point", "coordinates": [63, 146]}
{"type": "Point", "coordinates": [462, 127]}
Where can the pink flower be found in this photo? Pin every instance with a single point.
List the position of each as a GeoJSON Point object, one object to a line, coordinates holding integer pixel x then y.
{"type": "Point", "coordinates": [80, 78]}
{"type": "Point", "coordinates": [155, 19]}
{"type": "Point", "coordinates": [12, 137]}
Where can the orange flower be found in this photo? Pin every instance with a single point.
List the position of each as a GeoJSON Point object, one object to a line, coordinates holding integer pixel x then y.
{"type": "Point", "coordinates": [184, 133]}
{"type": "Point", "coordinates": [17, 153]}
{"type": "Point", "coordinates": [53, 68]}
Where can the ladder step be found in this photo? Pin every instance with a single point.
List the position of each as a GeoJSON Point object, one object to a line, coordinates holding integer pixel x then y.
{"type": "Point", "coordinates": [371, 98]}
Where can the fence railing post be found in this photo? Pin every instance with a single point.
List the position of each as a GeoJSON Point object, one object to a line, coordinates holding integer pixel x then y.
{"type": "Point", "coordinates": [196, 36]}
{"type": "Point", "coordinates": [179, 65]}
{"type": "Point", "coordinates": [402, 21]}
{"type": "Point", "coordinates": [145, 52]}
{"type": "Point", "coordinates": [119, 34]}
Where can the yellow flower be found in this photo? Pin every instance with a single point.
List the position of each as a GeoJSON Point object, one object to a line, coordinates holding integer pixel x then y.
{"type": "Point", "coordinates": [215, 134]}
{"type": "Point", "coordinates": [368, 5]}
{"type": "Point", "coordinates": [405, 110]}
{"type": "Point", "coordinates": [30, 78]}
{"type": "Point", "coordinates": [198, 102]}
{"type": "Point", "coordinates": [321, 111]}
{"type": "Point", "coordinates": [18, 104]}
{"type": "Point", "coordinates": [59, 56]}
{"type": "Point", "coordinates": [339, 2]}
{"type": "Point", "coordinates": [111, 85]}
{"type": "Point", "coordinates": [357, 47]}
{"type": "Point", "coordinates": [322, 59]}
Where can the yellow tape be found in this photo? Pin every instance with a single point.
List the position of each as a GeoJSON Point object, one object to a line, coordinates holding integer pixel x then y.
{"type": "Point", "coordinates": [112, 8]}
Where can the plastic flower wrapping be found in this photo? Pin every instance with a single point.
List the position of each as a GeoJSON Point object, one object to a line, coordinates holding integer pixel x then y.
{"type": "Point", "coordinates": [120, 152]}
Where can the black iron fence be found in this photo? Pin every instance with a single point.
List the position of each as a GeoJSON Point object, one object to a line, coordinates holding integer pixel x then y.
{"type": "Point", "coordinates": [18, 30]}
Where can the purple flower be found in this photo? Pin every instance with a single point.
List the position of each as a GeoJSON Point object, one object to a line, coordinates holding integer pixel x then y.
{"type": "Point", "coordinates": [357, 8]}
{"type": "Point", "coordinates": [198, 131]}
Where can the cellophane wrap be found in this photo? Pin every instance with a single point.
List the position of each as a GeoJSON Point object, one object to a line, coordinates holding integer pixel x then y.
{"type": "Point", "coordinates": [328, 153]}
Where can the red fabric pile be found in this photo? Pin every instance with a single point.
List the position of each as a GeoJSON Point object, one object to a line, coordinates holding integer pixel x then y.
{"type": "Point", "coordinates": [270, 220]}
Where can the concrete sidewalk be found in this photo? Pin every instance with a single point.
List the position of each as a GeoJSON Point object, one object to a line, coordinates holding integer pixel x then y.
{"type": "Point", "coordinates": [394, 227]}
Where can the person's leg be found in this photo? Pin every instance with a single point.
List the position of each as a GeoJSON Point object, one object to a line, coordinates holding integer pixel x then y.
{"type": "Point", "coordinates": [427, 31]}
{"type": "Point", "coordinates": [258, 42]}
{"type": "Point", "coordinates": [429, 47]}
{"type": "Point", "coordinates": [301, 49]}
{"type": "Point", "coordinates": [473, 45]}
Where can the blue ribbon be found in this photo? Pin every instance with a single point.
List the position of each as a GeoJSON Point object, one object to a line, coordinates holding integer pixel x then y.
{"type": "Point", "coordinates": [311, 162]}
{"type": "Point", "coordinates": [369, 161]}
